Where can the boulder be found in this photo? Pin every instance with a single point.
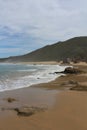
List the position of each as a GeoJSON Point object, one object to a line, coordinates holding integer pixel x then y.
{"type": "Point", "coordinates": [71, 70]}
{"type": "Point", "coordinates": [10, 100]}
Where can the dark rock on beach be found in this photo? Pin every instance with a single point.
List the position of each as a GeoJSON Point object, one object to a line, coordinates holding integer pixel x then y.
{"type": "Point", "coordinates": [79, 88]}
{"type": "Point", "coordinates": [10, 100]}
{"type": "Point", "coordinates": [28, 111]}
{"type": "Point", "coordinates": [70, 70]}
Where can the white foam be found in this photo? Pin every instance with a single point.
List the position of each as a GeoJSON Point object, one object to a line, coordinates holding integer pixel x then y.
{"type": "Point", "coordinates": [44, 74]}
{"type": "Point", "coordinates": [27, 70]}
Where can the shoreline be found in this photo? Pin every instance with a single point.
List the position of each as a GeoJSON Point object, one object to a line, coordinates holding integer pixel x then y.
{"type": "Point", "coordinates": [46, 75]}
{"type": "Point", "coordinates": [67, 108]}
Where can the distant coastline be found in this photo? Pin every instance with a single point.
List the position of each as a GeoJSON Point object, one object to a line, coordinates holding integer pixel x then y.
{"type": "Point", "coordinates": [72, 50]}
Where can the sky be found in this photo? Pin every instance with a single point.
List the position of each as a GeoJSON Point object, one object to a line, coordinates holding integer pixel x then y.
{"type": "Point", "coordinates": [26, 25]}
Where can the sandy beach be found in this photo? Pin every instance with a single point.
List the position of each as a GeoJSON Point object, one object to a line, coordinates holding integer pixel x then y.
{"type": "Point", "coordinates": [64, 109]}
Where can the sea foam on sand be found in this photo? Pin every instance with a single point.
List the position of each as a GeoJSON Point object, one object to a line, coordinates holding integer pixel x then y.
{"type": "Point", "coordinates": [14, 76]}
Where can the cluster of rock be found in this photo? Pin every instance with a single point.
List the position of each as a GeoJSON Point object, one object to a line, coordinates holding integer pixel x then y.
{"type": "Point", "coordinates": [26, 111]}
{"type": "Point", "coordinates": [71, 84]}
{"type": "Point", "coordinates": [70, 70]}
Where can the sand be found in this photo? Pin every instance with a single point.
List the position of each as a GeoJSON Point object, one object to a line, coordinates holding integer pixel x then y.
{"type": "Point", "coordinates": [66, 110]}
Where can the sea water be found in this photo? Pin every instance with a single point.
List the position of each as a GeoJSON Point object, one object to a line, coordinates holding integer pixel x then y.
{"type": "Point", "coordinates": [14, 76]}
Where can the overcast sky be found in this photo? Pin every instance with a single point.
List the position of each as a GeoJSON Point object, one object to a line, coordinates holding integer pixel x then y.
{"type": "Point", "coordinates": [26, 25]}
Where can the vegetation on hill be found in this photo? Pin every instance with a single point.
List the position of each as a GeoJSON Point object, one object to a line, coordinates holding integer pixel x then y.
{"type": "Point", "coordinates": [74, 49]}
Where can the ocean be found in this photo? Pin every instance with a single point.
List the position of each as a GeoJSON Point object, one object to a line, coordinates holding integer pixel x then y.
{"type": "Point", "coordinates": [14, 76]}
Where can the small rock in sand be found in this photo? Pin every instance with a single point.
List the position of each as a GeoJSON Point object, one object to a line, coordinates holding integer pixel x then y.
{"type": "Point", "coordinates": [10, 100]}
{"type": "Point", "coordinates": [28, 111]}
{"type": "Point", "coordinates": [70, 83]}
{"type": "Point", "coordinates": [79, 88]}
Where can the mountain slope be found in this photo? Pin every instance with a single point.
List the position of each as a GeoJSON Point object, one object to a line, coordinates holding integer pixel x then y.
{"type": "Point", "coordinates": [74, 49]}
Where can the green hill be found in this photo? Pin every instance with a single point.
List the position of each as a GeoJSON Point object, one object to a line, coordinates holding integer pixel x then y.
{"type": "Point", "coordinates": [73, 49]}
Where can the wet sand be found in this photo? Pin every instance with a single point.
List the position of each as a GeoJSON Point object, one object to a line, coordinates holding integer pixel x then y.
{"type": "Point", "coordinates": [66, 110]}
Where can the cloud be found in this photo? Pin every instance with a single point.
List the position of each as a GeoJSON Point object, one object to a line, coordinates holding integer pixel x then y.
{"type": "Point", "coordinates": [38, 22]}
{"type": "Point", "coordinates": [39, 18]}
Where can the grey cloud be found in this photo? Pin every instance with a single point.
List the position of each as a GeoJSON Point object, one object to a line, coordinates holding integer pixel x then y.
{"type": "Point", "coordinates": [47, 19]}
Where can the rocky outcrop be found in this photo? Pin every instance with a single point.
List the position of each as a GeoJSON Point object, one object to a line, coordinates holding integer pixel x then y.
{"type": "Point", "coordinates": [10, 100]}
{"type": "Point", "coordinates": [28, 111]}
{"type": "Point", "coordinates": [70, 70]}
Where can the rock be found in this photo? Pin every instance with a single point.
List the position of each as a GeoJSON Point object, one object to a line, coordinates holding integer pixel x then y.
{"type": "Point", "coordinates": [57, 72]}
{"type": "Point", "coordinates": [28, 111]}
{"type": "Point", "coordinates": [10, 100]}
{"type": "Point", "coordinates": [79, 88]}
{"type": "Point", "coordinates": [70, 83]}
{"type": "Point", "coordinates": [71, 70]}
{"type": "Point", "coordinates": [24, 111]}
